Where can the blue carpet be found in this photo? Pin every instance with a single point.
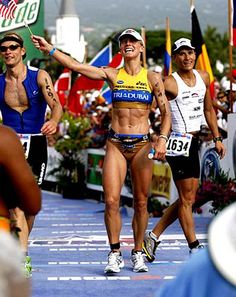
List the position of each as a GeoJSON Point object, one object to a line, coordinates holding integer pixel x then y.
{"type": "Point", "coordinates": [69, 247]}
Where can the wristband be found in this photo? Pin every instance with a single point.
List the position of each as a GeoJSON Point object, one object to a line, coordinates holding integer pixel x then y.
{"type": "Point", "coordinates": [164, 137]}
{"type": "Point", "coordinates": [52, 51]}
{"type": "Point", "coordinates": [218, 138]}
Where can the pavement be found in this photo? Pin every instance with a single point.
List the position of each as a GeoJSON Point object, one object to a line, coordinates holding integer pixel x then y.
{"type": "Point", "coordinates": [69, 248]}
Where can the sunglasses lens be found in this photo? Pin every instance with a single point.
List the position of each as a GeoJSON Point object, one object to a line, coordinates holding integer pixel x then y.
{"type": "Point", "coordinates": [12, 47]}
{"type": "Point", "coordinates": [3, 49]}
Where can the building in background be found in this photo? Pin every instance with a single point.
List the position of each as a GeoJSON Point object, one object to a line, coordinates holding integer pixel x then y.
{"type": "Point", "coordinates": [68, 37]}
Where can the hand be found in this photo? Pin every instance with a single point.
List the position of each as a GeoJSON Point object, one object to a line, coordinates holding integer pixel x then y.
{"type": "Point", "coordinates": [220, 148]}
{"type": "Point", "coordinates": [160, 149]}
{"type": "Point", "coordinates": [49, 127]}
{"type": "Point", "coordinates": [41, 44]}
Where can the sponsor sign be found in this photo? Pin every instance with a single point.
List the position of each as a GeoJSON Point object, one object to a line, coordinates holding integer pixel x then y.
{"type": "Point", "coordinates": [29, 17]}
{"type": "Point", "coordinates": [94, 169]}
{"type": "Point", "coordinates": [161, 180]}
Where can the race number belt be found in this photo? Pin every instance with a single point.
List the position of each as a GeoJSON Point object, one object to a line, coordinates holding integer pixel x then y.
{"type": "Point", "coordinates": [179, 144]}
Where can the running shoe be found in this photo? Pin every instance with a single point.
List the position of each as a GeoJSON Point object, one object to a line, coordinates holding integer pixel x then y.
{"type": "Point", "coordinates": [149, 246]}
{"type": "Point", "coordinates": [28, 266]}
{"type": "Point", "coordinates": [115, 262]}
{"type": "Point", "coordinates": [137, 262]}
{"type": "Point", "coordinates": [196, 249]}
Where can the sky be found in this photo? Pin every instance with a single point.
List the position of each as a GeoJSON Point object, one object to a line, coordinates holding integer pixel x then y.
{"type": "Point", "coordinates": [106, 16]}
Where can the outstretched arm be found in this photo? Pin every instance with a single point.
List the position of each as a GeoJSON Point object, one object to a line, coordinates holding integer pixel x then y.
{"type": "Point", "coordinates": [67, 61]}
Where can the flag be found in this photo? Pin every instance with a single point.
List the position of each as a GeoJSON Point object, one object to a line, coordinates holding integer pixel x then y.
{"type": "Point", "coordinates": [202, 60]}
{"type": "Point", "coordinates": [7, 9]}
{"type": "Point", "coordinates": [116, 62]}
{"type": "Point", "coordinates": [74, 103]}
{"type": "Point", "coordinates": [64, 80]}
{"type": "Point", "coordinates": [62, 86]}
{"type": "Point", "coordinates": [102, 58]}
{"type": "Point", "coordinates": [233, 25]}
{"type": "Point", "coordinates": [83, 83]}
{"type": "Point", "coordinates": [167, 55]}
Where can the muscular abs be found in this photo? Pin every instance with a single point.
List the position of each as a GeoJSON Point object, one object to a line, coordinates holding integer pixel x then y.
{"type": "Point", "coordinates": [130, 121]}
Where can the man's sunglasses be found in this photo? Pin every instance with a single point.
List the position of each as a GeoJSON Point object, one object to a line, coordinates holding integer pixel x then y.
{"type": "Point", "coordinates": [12, 47]}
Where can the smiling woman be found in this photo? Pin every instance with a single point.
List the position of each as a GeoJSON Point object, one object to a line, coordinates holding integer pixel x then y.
{"type": "Point", "coordinates": [128, 144]}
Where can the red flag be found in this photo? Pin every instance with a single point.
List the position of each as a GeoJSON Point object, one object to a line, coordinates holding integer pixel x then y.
{"type": "Point", "coordinates": [62, 86]}
{"type": "Point", "coordinates": [202, 62]}
{"type": "Point", "coordinates": [117, 61]}
{"type": "Point", "coordinates": [84, 83]}
{"type": "Point", "coordinates": [74, 103]}
{"type": "Point", "coordinates": [7, 8]}
{"type": "Point", "coordinates": [64, 81]}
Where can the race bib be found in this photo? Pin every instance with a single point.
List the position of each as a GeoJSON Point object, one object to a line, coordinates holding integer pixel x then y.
{"type": "Point", "coordinates": [179, 144]}
{"type": "Point", "coordinates": [25, 141]}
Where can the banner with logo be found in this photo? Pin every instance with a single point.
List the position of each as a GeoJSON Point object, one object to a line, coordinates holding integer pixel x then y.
{"type": "Point", "coordinates": [28, 13]}
{"type": "Point", "coordinates": [161, 180]}
{"type": "Point", "coordinates": [94, 169]}
{"type": "Point", "coordinates": [210, 161]}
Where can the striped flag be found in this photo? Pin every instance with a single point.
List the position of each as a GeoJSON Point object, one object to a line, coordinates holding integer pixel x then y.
{"type": "Point", "coordinates": [202, 61]}
{"type": "Point", "coordinates": [102, 58]}
{"type": "Point", "coordinates": [233, 25]}
{"type": "Point", "coordinates": [167, 55]}
{"type": "Point", "coordinates": [7, 9]}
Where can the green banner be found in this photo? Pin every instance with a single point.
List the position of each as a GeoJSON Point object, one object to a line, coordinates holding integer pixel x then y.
{"type": "Point", "coordinates": [29, 17]}
{"type": "Point", "coordinates": [94, 170]}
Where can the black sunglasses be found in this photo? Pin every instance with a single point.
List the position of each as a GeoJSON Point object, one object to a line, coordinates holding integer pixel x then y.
{"type": "Point", "coordinates": [12, 47]}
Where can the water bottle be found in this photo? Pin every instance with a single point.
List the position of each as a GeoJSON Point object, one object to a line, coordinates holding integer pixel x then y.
{"type": "Point", "coordinates": [151, 153]}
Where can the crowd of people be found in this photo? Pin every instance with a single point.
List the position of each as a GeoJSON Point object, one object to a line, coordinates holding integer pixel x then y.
{"type": "Point", "coordinates": [129, 128]}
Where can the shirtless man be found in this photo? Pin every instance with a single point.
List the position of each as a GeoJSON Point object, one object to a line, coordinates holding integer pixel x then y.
{"type": "Point", "coordinates": [25, 93]}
